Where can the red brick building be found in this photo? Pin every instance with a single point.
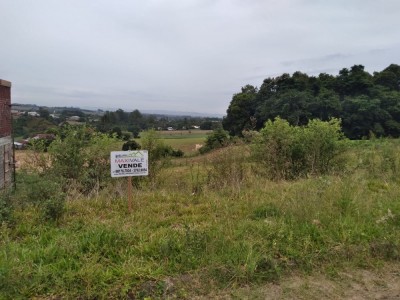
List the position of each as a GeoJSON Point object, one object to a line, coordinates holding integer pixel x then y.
{"type": "Point", "coordinates": [6, 149]}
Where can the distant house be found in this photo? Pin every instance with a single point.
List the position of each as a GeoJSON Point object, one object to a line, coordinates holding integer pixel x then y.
{"type": "Point", "coordinates": [44, 136]}
{"type": "Point", "coordinates": [74, 118]}
{"type": "Point", "coordinates": [33, 114]}
{"type": "Point", "coordinates": [16, 113]}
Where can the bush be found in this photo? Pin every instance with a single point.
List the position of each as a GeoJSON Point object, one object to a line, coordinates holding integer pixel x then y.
{"type": "Point", "coordinates": [217, 139]}
{"type": "Point", "coordinates": [82, 156]}
{"type": "Point", "coordinates": [42, 192]}
{"type": "Point", "coordinates": [6, 207]}
{"type": "Point", "coordinates": [130, 145]}
{"type": "Point", "coordinates": [288, 152]}
{"type": "Point", "coordinates": [228, 168]}
{"type": "Point", "coordinates": [177, 153]}
{"type": "Point", "coordinates": [158, 153]}
{"type": "Point", "coordinates": [66, 152]}
{"type": "Point", "coordinates": [53, 208]}
{"type": "Point", "coordinates": [39, 160]}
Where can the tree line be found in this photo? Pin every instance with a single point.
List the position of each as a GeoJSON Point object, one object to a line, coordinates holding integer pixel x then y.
{"type": "Point", "coordinates": [366, 104]}
{"type": "Point", "coordinates": [124, 124]}
{"type": "Point", "coordinates": [134, 122]}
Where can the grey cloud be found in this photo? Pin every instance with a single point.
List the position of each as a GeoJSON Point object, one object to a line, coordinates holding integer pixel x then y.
{"type": "Point", "coordinates": [188, 55]}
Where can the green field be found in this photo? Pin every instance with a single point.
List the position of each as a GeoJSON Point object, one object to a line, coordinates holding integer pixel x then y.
{"type": "Point", "coordinates": [205, 226]}
{"type": "Point", "coordinates": [184, 140]}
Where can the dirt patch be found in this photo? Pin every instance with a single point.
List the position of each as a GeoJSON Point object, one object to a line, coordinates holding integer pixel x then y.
{"type": "Point", "coordinates": [350, 284]}
{"type": "Point", "coordinates": [22, 158]}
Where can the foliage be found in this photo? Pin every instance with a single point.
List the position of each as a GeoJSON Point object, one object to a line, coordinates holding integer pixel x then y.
{"type": "Point", "coordinates": [216, 139]}
{"type": "Point", "coordinates": [365, 103]}
{"type": "Point", "coordinates": [131, 145]}
{"type": "Point", "coordinates": [158, 153]}
{"type": "Point", "coordinates": [181, 246]}
{"type": "Point", "coordinates": [6, 207]}
{"type": "Point", "coordinates": [240, 111]}
{"type": "Point", "coordinates": [288, 152]}
{"type": "Point", "coordinates": [124, 124]}
{"type": "Point", "coordinates": [135, 122]}
{"type": "Point", "coordinates": [66, 152]}
{"type": "Point", "coordinates": [39, 159]}
{"type": "Point", "coordinates": [27, 126]}
{"type": "Point", "coordinates": [228, 168]}
{"type": "Point", "coordinates": [43, 192]}
{"type": "Point", "coordinates": [176, 152]}
{"type": "Point", "coordinates": [81, 156]}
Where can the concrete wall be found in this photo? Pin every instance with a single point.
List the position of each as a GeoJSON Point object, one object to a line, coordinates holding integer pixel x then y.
{"type": "Point", "coordinates": [6, 150]}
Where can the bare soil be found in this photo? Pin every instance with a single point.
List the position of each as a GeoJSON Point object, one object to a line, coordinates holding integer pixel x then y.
{"type": "Point", "coordinates": [22, 158]}
{"type": "Point", "coordinates": [383, 283]}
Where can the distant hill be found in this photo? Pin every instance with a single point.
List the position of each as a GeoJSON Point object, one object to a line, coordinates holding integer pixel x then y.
{"type": "Point", "coordinates": [100, 111]}
{"type": "Point", "coordinates": [180, 113]}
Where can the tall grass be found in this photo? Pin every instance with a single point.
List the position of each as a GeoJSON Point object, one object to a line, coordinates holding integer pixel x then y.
{"type": "Point", "coordinates": [236, 228]}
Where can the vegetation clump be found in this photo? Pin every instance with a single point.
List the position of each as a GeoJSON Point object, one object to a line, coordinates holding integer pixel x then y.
{"type": "Point", "coordinates": [288, 152]}
{"type": "Point", "coordinates": [364, 102]}
{"type": "Point", "coordinates": [216, 139]}
{"type": "Point", "coordinates": [242, 229]}
{"type": "Point", "coordinates": [6, 208]}
{"type": "Point", "coordinates": [206, 222]}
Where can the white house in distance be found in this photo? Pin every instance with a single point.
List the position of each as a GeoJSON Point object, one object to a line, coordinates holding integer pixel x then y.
{"type": "Point", "coordinates": [33, 114]}
{"type": "Point", "coordinates": [74, 118]}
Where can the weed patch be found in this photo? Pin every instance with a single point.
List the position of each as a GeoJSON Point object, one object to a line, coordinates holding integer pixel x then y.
{"type": "Point", "coordinates": [216, 227]}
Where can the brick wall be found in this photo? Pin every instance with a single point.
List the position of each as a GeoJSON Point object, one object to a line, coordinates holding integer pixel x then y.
{"type": "Point", "coordinates": [6, 155]}
{"type": "Point", "coordinates": [5, 109]}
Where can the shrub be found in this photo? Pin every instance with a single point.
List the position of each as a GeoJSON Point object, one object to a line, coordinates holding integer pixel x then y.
{"type": "Point", "coordinates": [288, 152]}
{"type": "Point", "coordinates": [66, 152]}
{"type": "Point", "coordinates": [217, 139]}
{"type": "Point", "coordinates": [130, 145]}
{"type": "Point", "coordinates": [177, 153]}
{"type": "Point", "coordinates": [53, 208]}
{"type": "Point", "coordinates": [158, 153]}
{"type": "Point", "coordinates": [96, 171]}
{"type": "Point", "coordinates": [43, 192]}
{"type": "Point", "coordinates": [6, 207]}
{"type": "Point", "coordinates": [321, 141]}
{"type": "Point", "coordinates": [82, 156]}
{"type": "Point", "coordinates": [228, 168]}
{"type": "Point", "coordinates": [39, 160]}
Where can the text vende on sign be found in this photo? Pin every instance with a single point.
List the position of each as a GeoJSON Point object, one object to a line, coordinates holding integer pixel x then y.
{"type": "Point", "coordinates": [129, 163]}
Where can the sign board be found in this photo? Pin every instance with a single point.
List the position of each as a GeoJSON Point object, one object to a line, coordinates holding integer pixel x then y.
{"type": "Point", "coordinates": [129, 163]}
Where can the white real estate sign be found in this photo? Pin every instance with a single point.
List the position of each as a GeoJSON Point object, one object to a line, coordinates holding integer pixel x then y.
{"type": "Point", "coordinates": [129, 163]}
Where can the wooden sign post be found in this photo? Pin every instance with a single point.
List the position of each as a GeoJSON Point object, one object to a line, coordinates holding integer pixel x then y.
{"type": "Point", "coordinates": [130, 194]}
{"type": "Point", "coordinates": [128, 164]}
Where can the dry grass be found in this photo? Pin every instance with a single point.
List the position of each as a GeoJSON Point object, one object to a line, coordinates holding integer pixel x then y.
{"type": "Point", "coordinates": [211, 224]}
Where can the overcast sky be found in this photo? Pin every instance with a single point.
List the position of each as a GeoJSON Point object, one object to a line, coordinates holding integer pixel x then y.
{"type": "Point", "coordinates": [183, 55]}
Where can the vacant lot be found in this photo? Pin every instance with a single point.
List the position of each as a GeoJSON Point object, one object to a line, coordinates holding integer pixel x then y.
{"type": "Point", "coordinates": [213, 227]}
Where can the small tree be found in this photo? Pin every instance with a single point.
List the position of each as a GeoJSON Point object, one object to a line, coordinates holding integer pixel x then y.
{"type": "Point", "coordinates": [81, 155]}
{"type": "Point", "coordinates": [217, 139]}
{"type": "Point", "coordinates": [131, 145]}
{"type": "Point", "coordinates": [288, 152]}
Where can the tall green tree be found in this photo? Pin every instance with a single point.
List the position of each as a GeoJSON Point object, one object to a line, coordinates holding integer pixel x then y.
{"type": "Point", "coordinates": [240, 111]}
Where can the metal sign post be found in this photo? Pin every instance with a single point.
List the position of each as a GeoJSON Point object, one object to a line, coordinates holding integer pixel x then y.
{"type": "Point", "coordinates": [128, 164]}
